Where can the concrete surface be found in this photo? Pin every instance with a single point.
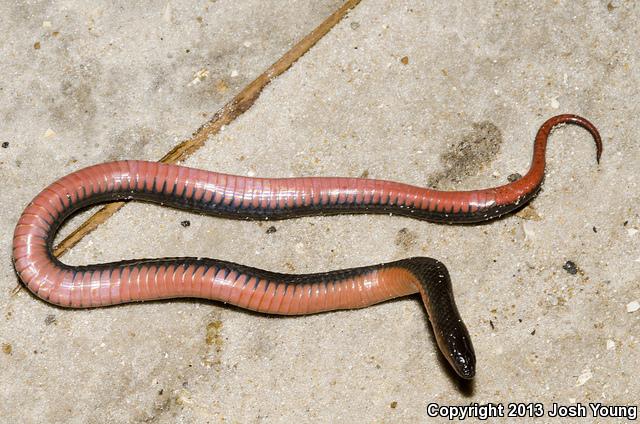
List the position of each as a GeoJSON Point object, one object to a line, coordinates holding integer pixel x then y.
{"type": "Point", "coordinates": [130, 80]}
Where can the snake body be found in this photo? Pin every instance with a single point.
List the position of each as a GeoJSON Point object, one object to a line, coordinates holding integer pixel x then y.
{"type": "Point", "coordinates": [263, 198]}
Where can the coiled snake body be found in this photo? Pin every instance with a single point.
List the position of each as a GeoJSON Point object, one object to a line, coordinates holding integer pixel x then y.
{"type": "Point", "coordinates": [263, 198]}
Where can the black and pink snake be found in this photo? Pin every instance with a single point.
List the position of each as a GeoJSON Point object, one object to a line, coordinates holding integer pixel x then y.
{"type": "Point", "coordinates": [264, 198]}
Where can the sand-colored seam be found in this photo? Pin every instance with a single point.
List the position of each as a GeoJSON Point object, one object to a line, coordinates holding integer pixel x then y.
{"type": "Point", "coordinates": [230, 111]}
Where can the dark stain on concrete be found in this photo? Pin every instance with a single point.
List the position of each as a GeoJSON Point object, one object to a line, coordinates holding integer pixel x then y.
{"type": "Point", "coordinates": [132, 142]}
{"type": "Point", "coordinates": [75, 105]}
{"type": "Point", "coordinates": [469, 156]}
{"type": "Point", "coordinates": [214, 343]}
{"type": "Point", "coordinates": [213, 337]}
{"type": "Point", "coordinates": [406, 239]}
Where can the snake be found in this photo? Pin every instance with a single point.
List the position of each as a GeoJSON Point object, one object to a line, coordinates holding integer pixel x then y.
{"type": "Point", "coordinates": [253, 198]}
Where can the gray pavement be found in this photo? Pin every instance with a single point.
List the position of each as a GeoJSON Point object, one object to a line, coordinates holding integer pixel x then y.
{"type": "Point", "coordinates": [448, 95]}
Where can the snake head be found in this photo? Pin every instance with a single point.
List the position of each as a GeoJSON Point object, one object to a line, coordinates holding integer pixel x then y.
{"type": "Point", "coordinates": [457, 348]}
{"type": "Point", "coordinates": [434, 284]}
